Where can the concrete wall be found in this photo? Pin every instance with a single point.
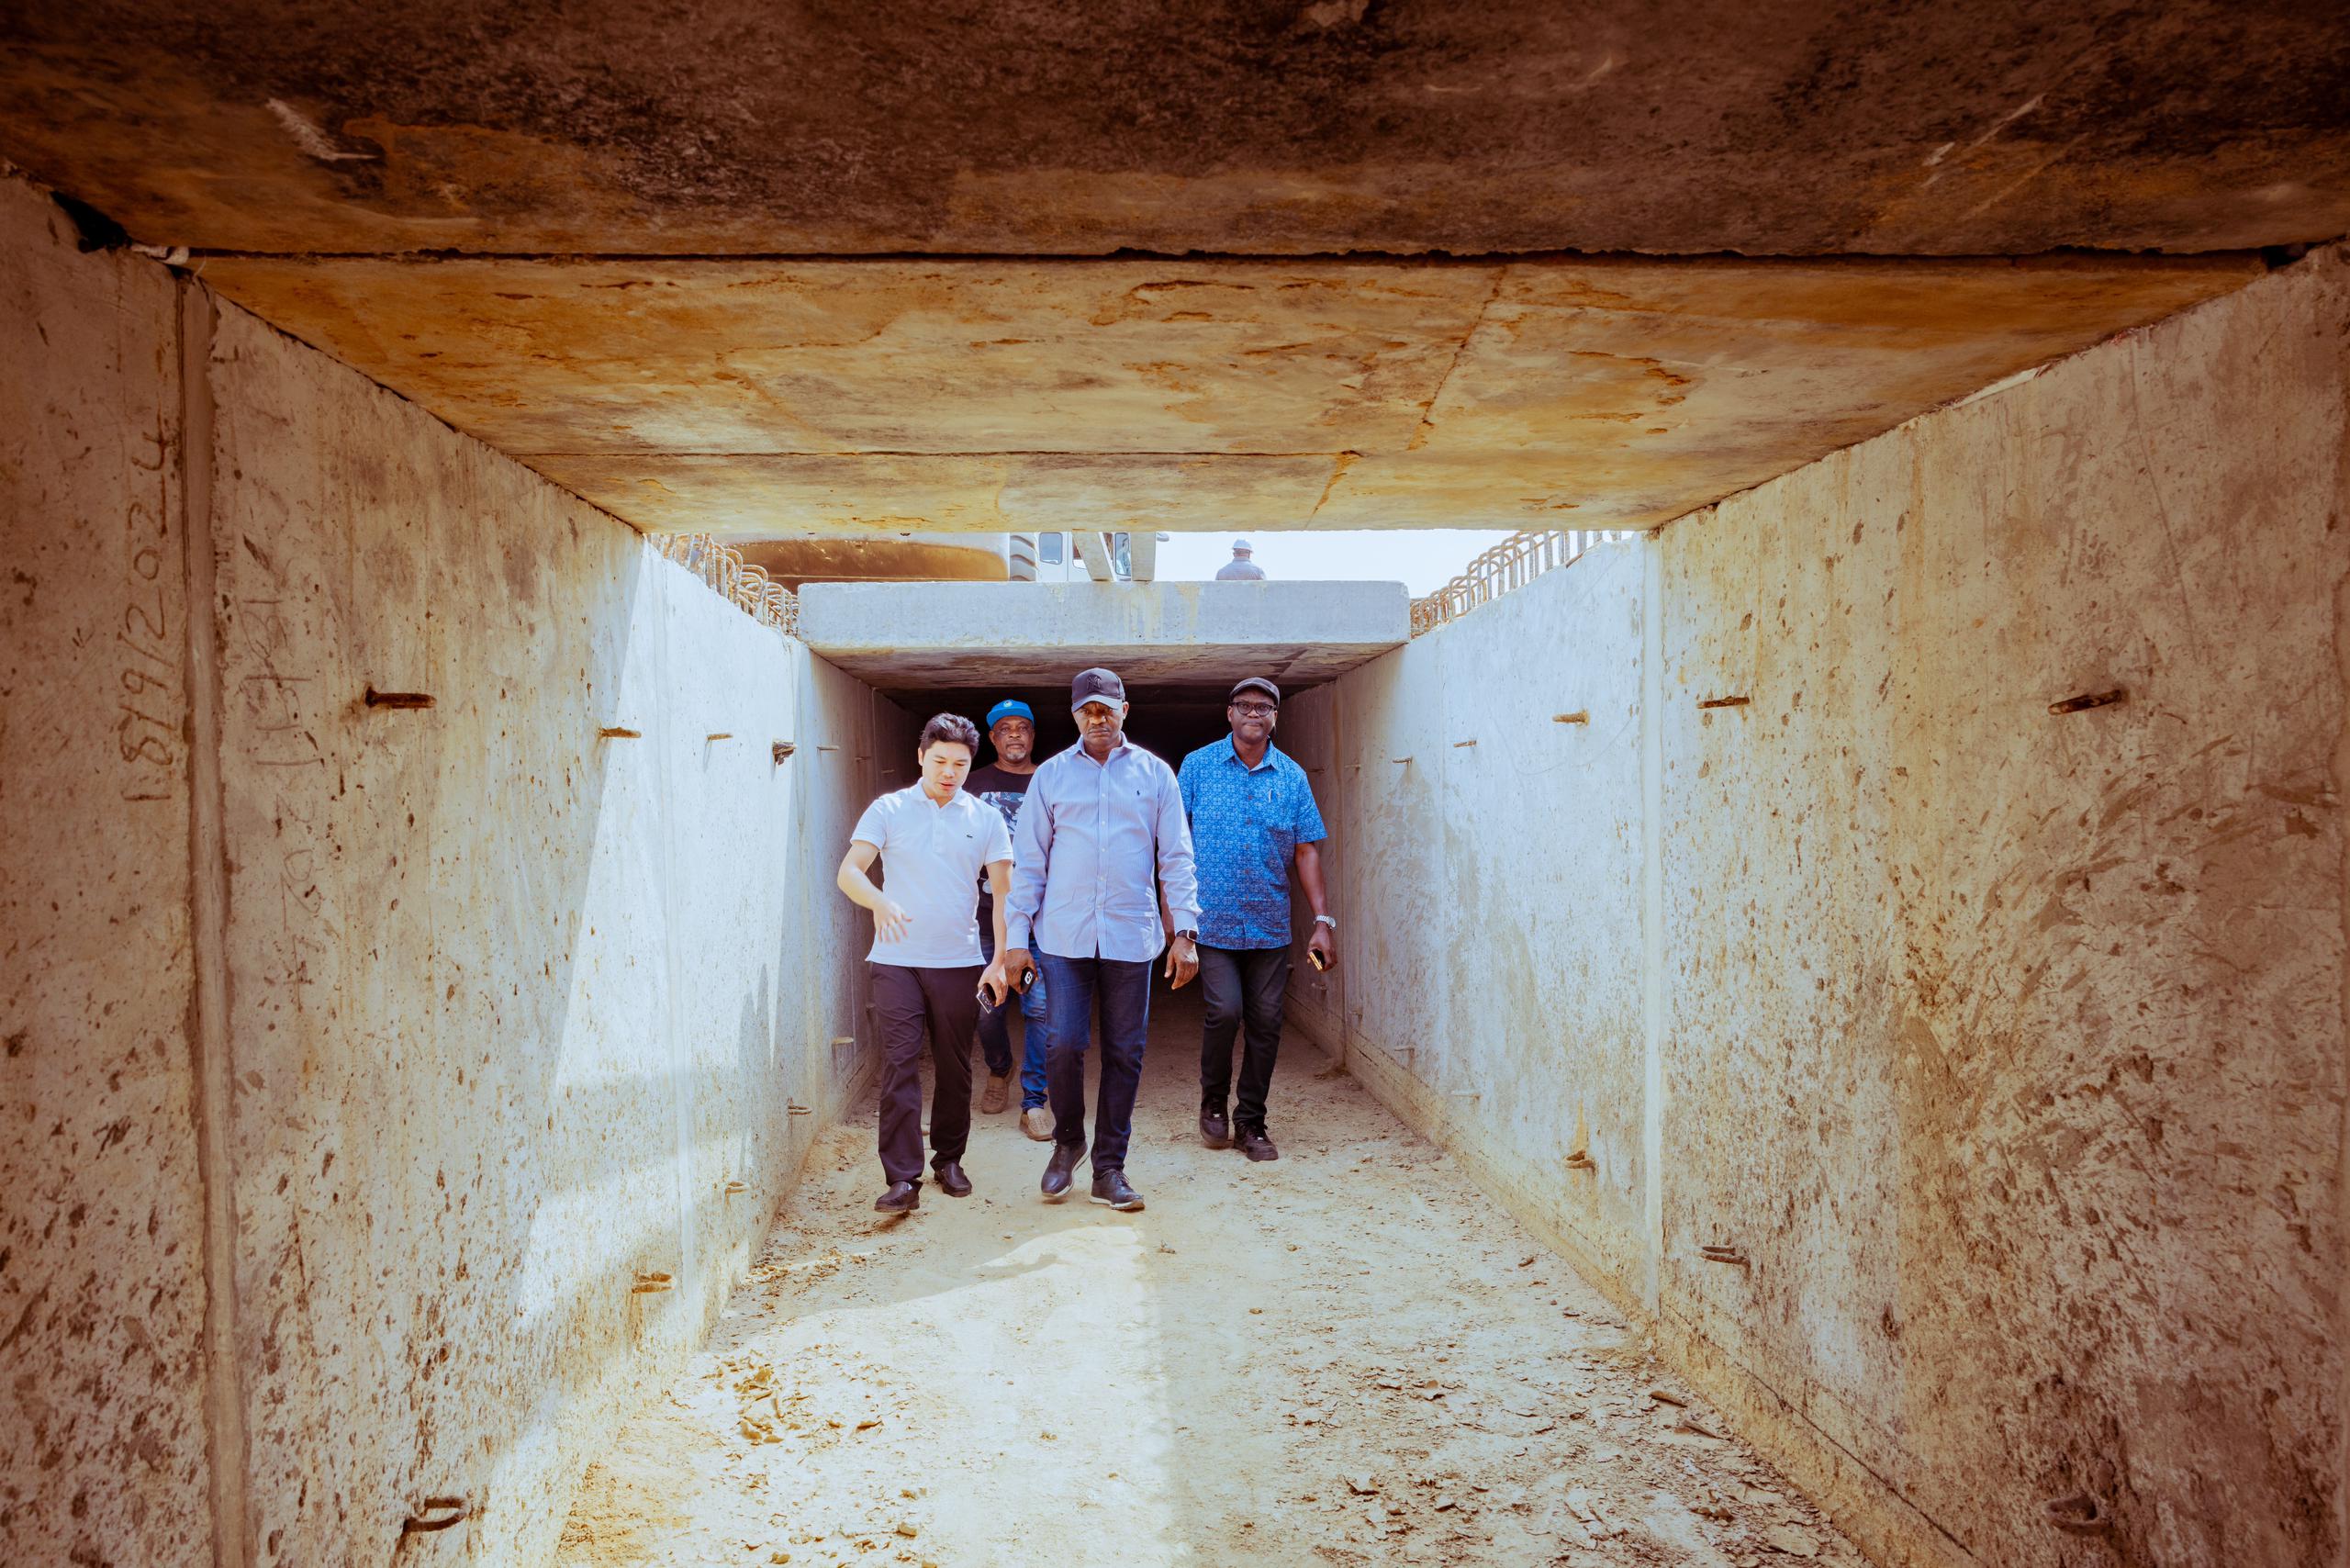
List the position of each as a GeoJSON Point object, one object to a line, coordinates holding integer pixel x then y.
{"type": "Point", "coordinates": [2008, 1047]}
{"type": "Point", "coordinates": [457, 1022]}
{"type": "Point", "coordinates": [102, 1232]}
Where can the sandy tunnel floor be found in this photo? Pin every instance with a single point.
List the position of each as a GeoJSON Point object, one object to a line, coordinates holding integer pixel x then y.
{"type": "Point", "coordinates": [1347, 1356]}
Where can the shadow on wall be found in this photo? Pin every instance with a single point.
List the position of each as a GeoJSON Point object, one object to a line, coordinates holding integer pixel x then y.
{"type": "Point", "coordinates": [519, 984]}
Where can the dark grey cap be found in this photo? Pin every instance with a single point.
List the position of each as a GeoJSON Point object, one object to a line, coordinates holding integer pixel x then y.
{"type": "Point", "coordinates": [1096, 686]}
{"type": "Point", "coordinates": [1256, 683]}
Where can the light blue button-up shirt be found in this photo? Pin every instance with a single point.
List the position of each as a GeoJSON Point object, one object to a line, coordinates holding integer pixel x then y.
{"type": "Point", "coordinates": [1093, 844]}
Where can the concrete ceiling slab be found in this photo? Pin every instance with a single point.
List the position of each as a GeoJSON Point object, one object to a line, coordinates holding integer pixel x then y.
{"type": "Point", "coordinates": [756, 399]}
{"type": "Point", "coordinates": [1267, 126]}
{"type": "Point", "coordinates": [1181, 641]}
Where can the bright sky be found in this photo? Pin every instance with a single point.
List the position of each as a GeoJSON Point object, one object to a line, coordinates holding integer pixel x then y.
{"type": "Point", "coordinates": [1422, 559]}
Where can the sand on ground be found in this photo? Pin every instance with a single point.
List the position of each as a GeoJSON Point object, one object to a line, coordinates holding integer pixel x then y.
{"type": "Point", "coordinates": [1348, 1356]}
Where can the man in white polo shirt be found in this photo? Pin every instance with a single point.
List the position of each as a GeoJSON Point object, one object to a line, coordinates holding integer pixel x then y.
{"type": "Point", "coordinates": [933, 841]}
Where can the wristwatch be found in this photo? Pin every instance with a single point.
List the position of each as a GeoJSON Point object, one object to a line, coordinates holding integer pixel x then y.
{"type": "Point", "coordinates": [1193, 934]}
{"type": "Point", "coordinates": [1325, 919]}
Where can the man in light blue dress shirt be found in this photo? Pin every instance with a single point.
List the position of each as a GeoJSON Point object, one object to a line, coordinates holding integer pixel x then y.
{"type": "Point", "coordinates": [1101, 837]}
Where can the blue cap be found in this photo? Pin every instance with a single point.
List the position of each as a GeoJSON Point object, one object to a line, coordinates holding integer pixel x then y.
{"type": "Point", "coordinates": [1009, 708]}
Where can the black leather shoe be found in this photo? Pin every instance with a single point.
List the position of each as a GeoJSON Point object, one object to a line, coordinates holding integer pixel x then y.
{"type": "Point", "coordinates": [901, 1198]}
{"type": "Point", "coordinates": [952, 1182]}
{"type": "Point", "coordinates": [1256, 1145]}
{"type": "Point", "coordinates": [1214, 1131]}
{"type": "Point", "coordinates": [1064, 1161]}
{"type": "Point", "coordinates": [1111, 1188]}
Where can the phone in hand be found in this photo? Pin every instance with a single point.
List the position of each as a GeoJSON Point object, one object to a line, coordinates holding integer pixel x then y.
{"type": "Point", "coordinates": [1314, 955]}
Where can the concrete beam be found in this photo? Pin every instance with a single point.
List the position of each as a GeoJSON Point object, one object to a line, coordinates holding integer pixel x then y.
{"type": "Point", "coordinates": [832, 557]}
{"type": "Point", "coordinates": [1093, 549]}
{"type": "Point", "coordinates": [1142, 555]}
{"type": "Point", "coordinates": [1968, 128]}
{"type": "Point", "coordinates": [865, 399]}
{"type": "Point", "coordinates": [1186, 636]}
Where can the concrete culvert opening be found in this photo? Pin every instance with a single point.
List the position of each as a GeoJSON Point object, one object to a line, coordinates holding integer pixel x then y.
{"type": "Point", "coordinates": [1838, 1048]}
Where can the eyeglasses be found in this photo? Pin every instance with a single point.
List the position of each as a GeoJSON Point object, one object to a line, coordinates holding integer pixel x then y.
{"type": "Point", "coordinates": [1254, 710]}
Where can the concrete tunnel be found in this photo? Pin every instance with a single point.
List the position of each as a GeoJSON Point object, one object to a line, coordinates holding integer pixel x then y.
{"type": "Point", "coordinates": [1839, 1047]}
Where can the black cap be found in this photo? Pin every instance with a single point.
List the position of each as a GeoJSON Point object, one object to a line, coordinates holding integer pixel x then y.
{"type": "Point", "coordinates": [1256, 683]}
{"type": "Point", "coordinates": [1096, 686]}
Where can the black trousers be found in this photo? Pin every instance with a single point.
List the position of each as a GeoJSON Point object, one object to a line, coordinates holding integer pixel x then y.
{"type": "Point", "coordinates": [1244, 988]}
{"type": "Point", "coordinates": [945, 1004]}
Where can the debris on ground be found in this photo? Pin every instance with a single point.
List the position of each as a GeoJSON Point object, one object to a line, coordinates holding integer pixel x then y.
{"type": "Point", "coordinates": [1330, 1360]}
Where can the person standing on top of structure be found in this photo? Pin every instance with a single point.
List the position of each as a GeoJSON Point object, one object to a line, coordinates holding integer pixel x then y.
{"type": "Point", "coordinates": [1252, 816]}
{"type": "Point", "coordinates": [1240, 568]}
{"type": "Point", "coordinates": [933, 840]}
{"type": "Point", "coordinates": [1004, 784]}
{"type": "Point", "coordinates": [1102, 834]}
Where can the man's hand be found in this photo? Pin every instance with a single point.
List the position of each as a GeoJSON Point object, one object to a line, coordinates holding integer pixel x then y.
{"type": "Point", "coordinates": [1010, 971]}
{"type": "Point", "coordinates": [891, 922]}
{"type": "Point", "coordinates": [1182, 961]}
{"type": "Point", "coordinates": [1320, 942]}
{"type": "Point", "coordinates": [994, 984]}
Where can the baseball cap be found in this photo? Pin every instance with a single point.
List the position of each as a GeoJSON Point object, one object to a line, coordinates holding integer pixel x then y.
{"type": "Point", "coordinates": [1096, 686]}
{"type": "Point", "coordinates": [1009, 708]}
{"type": "Point", "coordinates": [1256, 683]}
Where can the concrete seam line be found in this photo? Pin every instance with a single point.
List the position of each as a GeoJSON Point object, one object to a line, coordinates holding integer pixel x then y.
{"type": "Point", "coordinates": [1138, 258]}
{"type": "Point", "coordinates": [1670, 1320]}
{"type": "Point", "coordinates": [224, 1401]}
{"type": "Point", "coordinates": [2342, 1169]}
{"type": "Point", "coordinates": [679, 1051]}
{"type": "Point", "coordinates": [1653, 915]}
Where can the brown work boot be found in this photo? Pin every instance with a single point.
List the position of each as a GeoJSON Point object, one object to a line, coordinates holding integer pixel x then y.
{"type": "Point", "coordinates": [992, 1097]}
{"type": "Point", "coordinates": [1037, 1121]}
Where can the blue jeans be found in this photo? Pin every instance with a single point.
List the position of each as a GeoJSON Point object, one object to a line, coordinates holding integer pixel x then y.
{"type": "Point", "coordinates": [995, 1027]}
{"type": "Point", "coordinates": [1121, 991]}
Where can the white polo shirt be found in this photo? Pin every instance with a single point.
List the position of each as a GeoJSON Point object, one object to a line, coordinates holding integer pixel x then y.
{"type": "Point", "coordinates": [932, 856]}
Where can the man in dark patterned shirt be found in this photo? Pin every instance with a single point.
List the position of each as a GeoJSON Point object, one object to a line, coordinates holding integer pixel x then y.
{"type": "Point", "coordinates": [1004, 784]}
{"type": "Point", "coordinates": [1252, 816]}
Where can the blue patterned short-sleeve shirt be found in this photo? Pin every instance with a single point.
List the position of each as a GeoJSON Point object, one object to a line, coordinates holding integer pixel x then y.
{"type": "Point", "coordinates": [1246, 823]}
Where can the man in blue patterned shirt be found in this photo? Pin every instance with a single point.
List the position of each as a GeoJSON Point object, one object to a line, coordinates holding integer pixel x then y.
{"type": "Point", "coordinates": [1252, 816]}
